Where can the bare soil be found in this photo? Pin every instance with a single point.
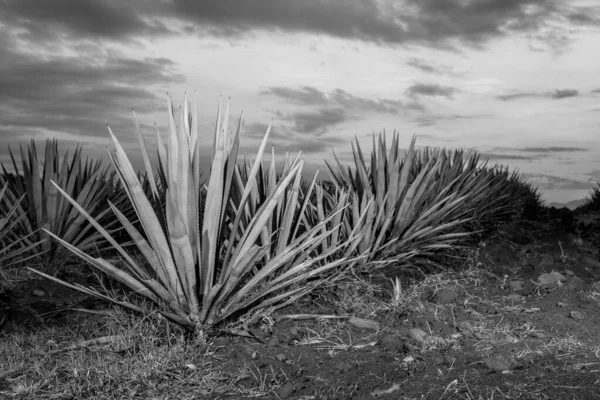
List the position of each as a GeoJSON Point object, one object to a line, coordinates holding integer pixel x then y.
{"type": "Point", "coordinates": [519, 318]}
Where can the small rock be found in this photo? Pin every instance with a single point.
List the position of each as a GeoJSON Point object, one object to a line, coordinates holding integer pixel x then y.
{"type": "Point", "coordinates": [537, 335]}
{"type": "Point", "coordinates": [364, 323]}
{"type": "Point", "coordinates": [520, 238]}
{"type": "Point", "coordinates": [392, 344]}
{"type": "Point", "coordinates": [557, 276]}
{"type": "Point", "coordinates": [465, 326]}
{"type": "Point", "coordinates": [444, 296]}
{"type": "Point", "coordinates": [561, 304]}
{"type": "Point", "coordinates": [568, 272]}
{"type": "Point", "coordinates": [576, 315]}
{"type": "Point", "coordinates": [584, 300]}
{"type": "Point", "coordinates": [273, 341]}
{"type": "Point", "coordinates": [596, 287]}
{"type": "Point", "coordinates": [591, 261]}
{"type": "Point", "coordinates": [427, 295]}
{"type": "Point", "coordinates": [477, 315]}
{"type": "Point", "coordinates": [516, 285]}
{"type": "Point", "coordinates": [38, 293]}
{"type": "Point", "coordinates": [286, 390]}
{"type": "Point", "coordinates": [342, 366]}
{"type": "Point", "coordinates": [418, 335]}
{"type": "Point", "coordinates": [576, 283]}
{"type": "Point", "coordinates": [243, 352]}
{"type": "Point", "coordinates": [552, 279]}
{"type": "Point", "coordinates": [101, 305]}
{"type": "Point", "coordinates": [281, 357]}
{"type": "Point", "coordinates": [541, 263]}
{"type": "Point", "coordinates": [294, 333]}
{"type": "Point", "coordinates": [528, 248]}
{"type": "Point", "coordinates": [514, 298]}
{"type": "Point", "coordinates": [498, 363]}
{"type": "Point", "coordinates": [8, 327]}
{"type": "Point", "coordinates": [382, 392]}
{"type": "Point", "coordinates": [448, 361]}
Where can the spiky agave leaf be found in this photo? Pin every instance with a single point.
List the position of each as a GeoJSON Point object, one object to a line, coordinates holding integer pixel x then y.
{"type": "Point", "coordinates": [12, 247]}
{"type": "Point", "coordinates": [202, 274]}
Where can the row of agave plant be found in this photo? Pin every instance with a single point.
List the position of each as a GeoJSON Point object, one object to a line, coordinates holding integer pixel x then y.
{"type": "Point", "coordinates": [251, 238]}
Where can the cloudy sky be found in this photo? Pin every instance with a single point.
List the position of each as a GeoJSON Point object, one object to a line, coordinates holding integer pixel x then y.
{"type": "Point", "coordinates": [516, 80]}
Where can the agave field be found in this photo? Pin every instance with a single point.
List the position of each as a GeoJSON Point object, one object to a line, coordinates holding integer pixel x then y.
{"type": "Point", "coordinates": [196, 276]}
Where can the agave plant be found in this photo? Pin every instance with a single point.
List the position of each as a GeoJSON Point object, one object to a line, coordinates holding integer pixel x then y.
{"type": "Point", "coordinates": [241, 256]}
{"type": "Point", "coordinates": [421, 202]}
{"type": "Point", "coordinates": [404, 206]}
{"type": "Point", "coordinates": [592, 201]}
{"type": "Point", "coordinates": [41, 207]}
{"type": "Point", "coordinates": [12, 247]}
{"type": "Point", "coordinates": [461, 174]}
{"type": "Point", "coordinates": [493, 194]}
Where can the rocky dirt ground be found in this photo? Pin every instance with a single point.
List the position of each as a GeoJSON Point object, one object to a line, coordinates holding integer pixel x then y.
{"type": "Point", "coordinates": [518, 318]}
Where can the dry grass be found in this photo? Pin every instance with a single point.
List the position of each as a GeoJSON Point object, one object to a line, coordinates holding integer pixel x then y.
{"type": "Point", "coordinates": [147, 358]}
{"type": "Point", "coordinates": [135, 357]}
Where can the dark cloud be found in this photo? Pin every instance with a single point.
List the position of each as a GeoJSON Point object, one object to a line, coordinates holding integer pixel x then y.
{"type": "Point", "coordinates": [315, 145]}
{"type": "Point", "coordinates": [564, 93]}
{"type": "Point", "coordinates": [350, 102]}
{"type": "Point", "coordinates": [423, 89]}
{"type": "Point", "coordinates": [431, 67]}
{"type": "Point", "coordinates": [552, 149]}
{"type": "Point", "coordinates": [437, 23]}
{"type": "Point", "coordinates": [500, 151]}
{"type": "Point", "coordinates": [423, 66]}
{"type": "Point", "coordinates": [476, 22]}
{"type": "Point", "coordinates": [77, 95]}
{"type": "Point", "coordinates": [306, 95]}
{"type": "Point", "coordinates": [435, 138]}
{"type": "Point", "coordinates": [338, 98]}
{"type": "Point", "coordinates": [333, 108]}
{"type": "Point", "coordinates": [552, 182]}
{"type": "Point", "coordinates": [586, 16]}
{"type": "Point", "coordinates": [317, 123]}
{"type": "Point", "coordinates": [498, 156]}
{"type": "Point", "coordinates": [517, 95]}
{"type": "Point", "coordinates": [557, 94]}
{"type": "Point", "coordinates": [308, 132]}
{"type": "Point", "coordinates": [432, 119]}
{"type": "Point", "coordinates": [283, 138]}
{"type": "Point", "coordinates": [93, 19]}
{"type": "Point", "coordinates": [361, 19]}
{"type": "Point", "coordinates": [431, 22]}
{"type": "Point", "coordinates": [594, 174]}
{"type": "Point", "coordinates": [258, 130]}
{"type": "Point", "coordinates": [344, 155]}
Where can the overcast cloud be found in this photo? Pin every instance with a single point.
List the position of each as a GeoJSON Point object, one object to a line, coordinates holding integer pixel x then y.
{"type": "Point", "coordinates": [515, 79]}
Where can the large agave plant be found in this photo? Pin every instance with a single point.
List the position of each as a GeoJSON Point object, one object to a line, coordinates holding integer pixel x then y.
{"type": "Point", "coordinates": [41, 207]}
{"type": "Point", "coordinates": [242, 255]}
